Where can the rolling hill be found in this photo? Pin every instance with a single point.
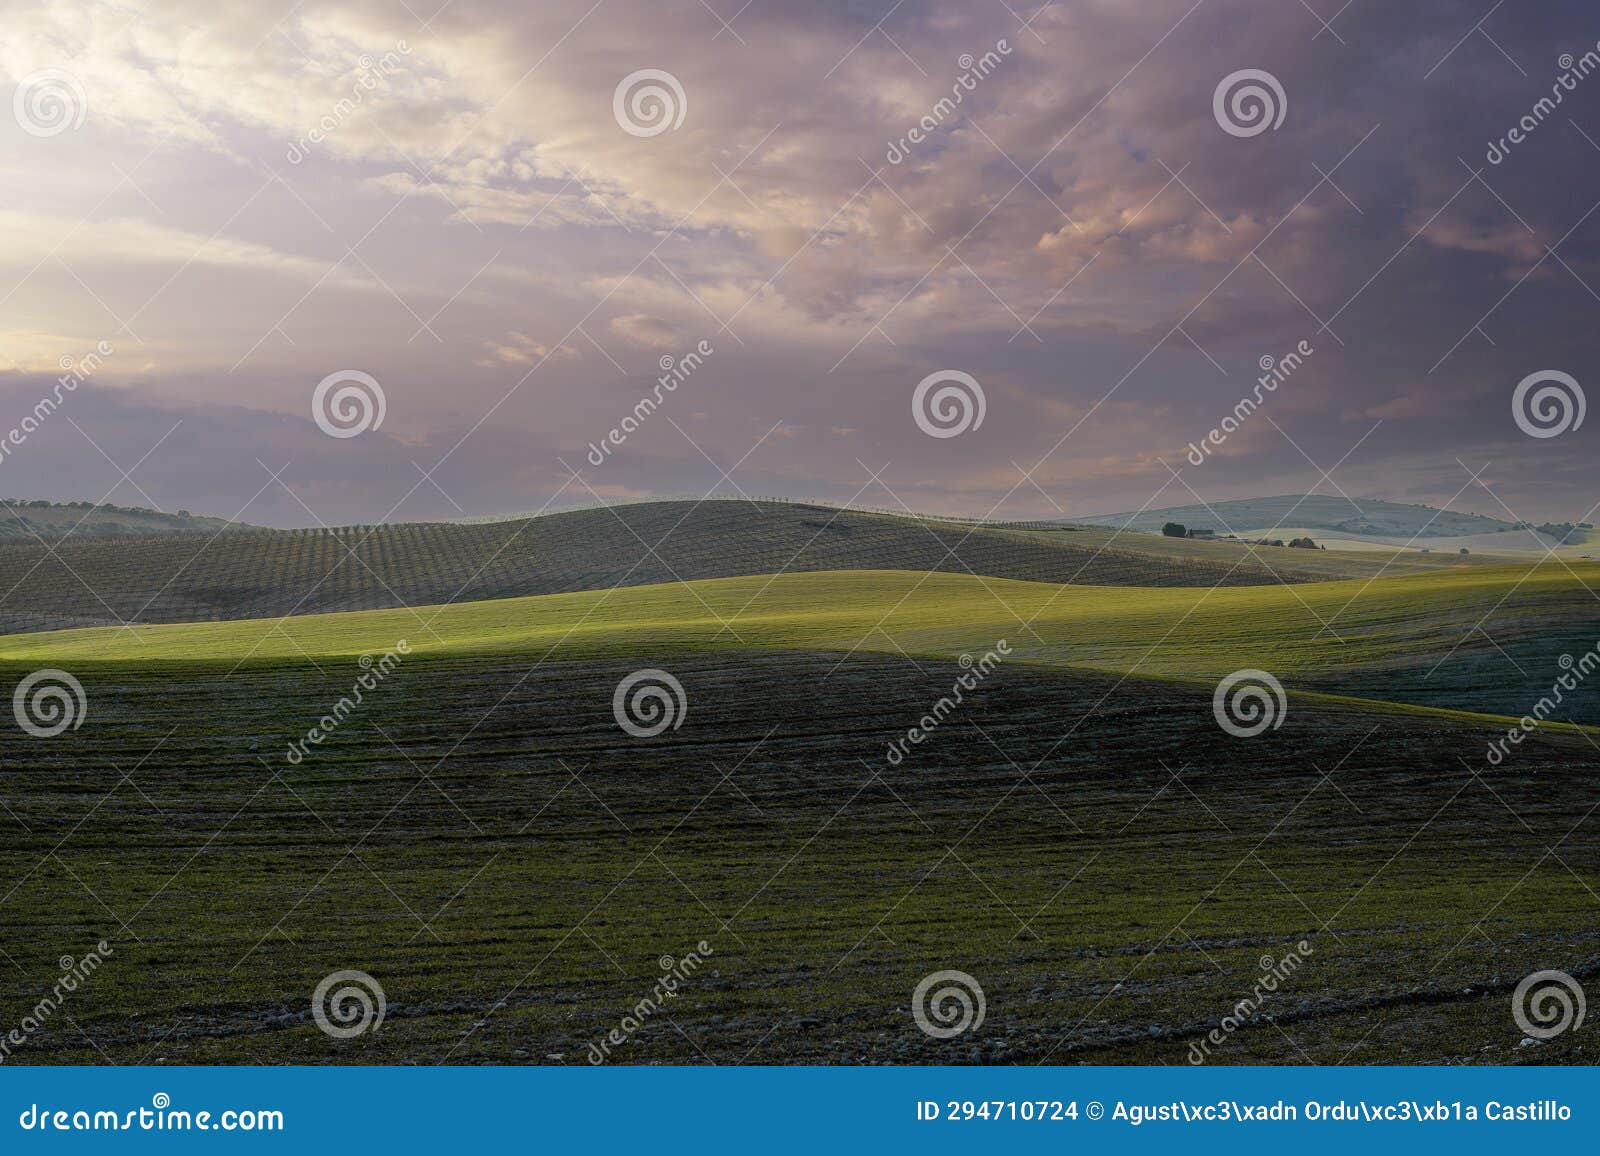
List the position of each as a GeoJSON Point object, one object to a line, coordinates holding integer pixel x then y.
{"type": "Point", "coordinates": [482, 837]}
{"type": "Point", "coordinates": [33, 521]}
{"type": "Point", "coordinates": [1413, 639]}
{"type": "Point", "coordinates": [480, 834]}
{"type": "Point", "coordinates": [1363, 517]}
{"type": "Point", "coordinates": [259, 573]}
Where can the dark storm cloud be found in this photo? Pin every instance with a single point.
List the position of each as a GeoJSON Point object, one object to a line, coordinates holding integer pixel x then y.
{"type": "Point", "coordinates": [1077, 232]}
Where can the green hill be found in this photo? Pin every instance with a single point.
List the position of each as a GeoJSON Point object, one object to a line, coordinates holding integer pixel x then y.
{"type": "Point", "coordinates": [482, 835]}
{"type": "Point", "coordinates": [260, 573]}
{"type": "Point", "coordinates": [1361, 516]}
{"type": "Point", "coordinates": [483, 839]}
{"type": "Point", "coordinates": [1409, 639]}
{"type": "Point", "coordinates": [30, 521]}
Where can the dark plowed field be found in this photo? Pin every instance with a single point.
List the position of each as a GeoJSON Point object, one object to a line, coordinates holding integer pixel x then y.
{"type": "Point", "coordinates": [516, 871]}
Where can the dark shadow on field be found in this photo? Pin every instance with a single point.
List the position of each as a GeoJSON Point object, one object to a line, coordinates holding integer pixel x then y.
{"type": "Point", "coordinates": [517, 873]}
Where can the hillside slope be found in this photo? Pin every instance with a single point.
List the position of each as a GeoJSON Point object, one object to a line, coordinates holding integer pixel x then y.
{"type": "Point", "coordinates": [258, 573]}
{"type": "Point", "coordinates": [513, 875]}
{"type": "Point", "coordinates": [1362, 516]}
{"type": "Point", "coordinates": [1412, 639]}
{"type": "Point", "coordinates": [31, 521]}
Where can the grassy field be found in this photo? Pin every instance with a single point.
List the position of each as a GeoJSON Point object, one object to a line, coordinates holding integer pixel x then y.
{"type": "Point", "coordinates": [512, 868]}
{"type": "Point", "coordinates": [268, 573]}
{"type": "Point", "coordinates": [1505, 545]}
{"type": "Point", "coordinates": [1367, 516]}
{"type": "Point", "coordinates": [1485, 639]}
{"type": "Point", "coordinates": [1079, 834]}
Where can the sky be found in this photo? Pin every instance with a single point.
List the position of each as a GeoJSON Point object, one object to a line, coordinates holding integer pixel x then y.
{"type": "Point", "coordinates": [1090, 223]}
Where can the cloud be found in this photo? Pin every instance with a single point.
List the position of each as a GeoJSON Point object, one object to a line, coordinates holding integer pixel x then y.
{"type": "Point", "coordinates": [261, 197]}
{"type": "Point", "coordinates": [26, 239]}
{"type": "Point", "coordinates": [520, 349]}
{"type": "Point", "coordinates": [30, 351]}
{"type": "Point", "coordinates": [643, 329]}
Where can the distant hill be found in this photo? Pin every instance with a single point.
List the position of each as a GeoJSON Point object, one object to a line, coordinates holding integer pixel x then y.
{"type": "Point", "coordinates": [253, 572]}
{"type": "Point", "coordinates": [28, 521]}
{"type": "Point", "coordinates": [1363, 517]}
